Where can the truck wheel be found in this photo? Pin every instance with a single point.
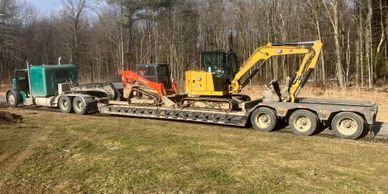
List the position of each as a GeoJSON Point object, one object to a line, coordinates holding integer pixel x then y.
{"type": "Point", "coordinates": [65, 104]}
{"type": "Point", "coordinates": [79, 105]}
{"type": "Point", "coordinates": [14, 98]}
{"type": "Point", "coordinates": [348, 125]}
{"type": "Point", "coordinates": [303, 122]}
{"type": "Point", "coordinates": [264, 119]}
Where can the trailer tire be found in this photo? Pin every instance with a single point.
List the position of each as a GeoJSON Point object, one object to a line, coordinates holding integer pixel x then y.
{"type": "Point", "coordinates": [264, 119]}
{"type": "Point", "coordinates": [348, 125]}
{"type": "Point", "coordinates": [14, 98]}
{"type": "Point", "coordinates": [303, 122]}
{"type": "Point", "coordinates": [79, 105]}
{"type": "Point", "coordinates": [65, 104]}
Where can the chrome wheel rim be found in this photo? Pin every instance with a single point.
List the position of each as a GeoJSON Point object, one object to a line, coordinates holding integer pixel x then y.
{"type": "Point", "coordinates": [347, 126]}
{"type": "Point", "coordinates": [302, 124]}
{"type": "Point", "coordinates": [11, 99]}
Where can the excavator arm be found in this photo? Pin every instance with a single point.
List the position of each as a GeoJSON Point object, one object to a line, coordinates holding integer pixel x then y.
{"type": "Point", "coordinates": [311, 51]}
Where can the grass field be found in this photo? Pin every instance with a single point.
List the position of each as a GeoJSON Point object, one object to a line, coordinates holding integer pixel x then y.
{"type": "Point", "coordinates": [54, 152]}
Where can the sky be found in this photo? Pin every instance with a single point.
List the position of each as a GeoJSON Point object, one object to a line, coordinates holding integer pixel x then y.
{"type": "Point", "coordinates": [46, 5]}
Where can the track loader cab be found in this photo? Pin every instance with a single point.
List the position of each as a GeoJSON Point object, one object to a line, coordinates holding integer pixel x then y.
{"type": "Point", "coordinates": [159, 73]}
{"type": "Point", "coordinates": [218, 70]}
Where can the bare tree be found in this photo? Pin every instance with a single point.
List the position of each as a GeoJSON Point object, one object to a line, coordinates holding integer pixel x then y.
{"type": "Point", "coordinates": [74, 10]}
{"type": "Point", "coordinates": [334, 20]}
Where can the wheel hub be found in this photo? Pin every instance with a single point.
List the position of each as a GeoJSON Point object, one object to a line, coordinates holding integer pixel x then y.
{"type": "Point", "coordinates": [79, 105]}
{"type": "Point", "coordinates": [11, 99]}
{"type": "Point", "coordinates": [264, 120]}
{"type": "Point", "coordinates": [303, 123]}
{"type": "Point", "coordinates": [347, 126]}
{"type": "Point", "coordinates": [66, 104]}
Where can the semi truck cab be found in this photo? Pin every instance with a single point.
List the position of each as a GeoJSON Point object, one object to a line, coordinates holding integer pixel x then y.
{"type": "Point", "coordinates": [38, 84]}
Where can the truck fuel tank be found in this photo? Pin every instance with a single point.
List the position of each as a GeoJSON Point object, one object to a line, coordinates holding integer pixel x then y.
{"type": "Point", "coordinates": [46, 102]}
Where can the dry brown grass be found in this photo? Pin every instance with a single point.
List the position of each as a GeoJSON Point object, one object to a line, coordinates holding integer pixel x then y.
{"type": "Point", "coordinates": [381, 98]}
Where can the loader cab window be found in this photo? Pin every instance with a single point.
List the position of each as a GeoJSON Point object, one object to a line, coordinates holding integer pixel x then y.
{"type": "Point", "coordinates": [146, 70]}
{"type": "Point", "coordinates": [163, 70]}
{"type": "Point", "coordinates": [164, 75]}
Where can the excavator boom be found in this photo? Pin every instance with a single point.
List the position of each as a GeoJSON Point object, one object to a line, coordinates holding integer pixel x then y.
{"type": "Point", "coordinates": [311, 50]}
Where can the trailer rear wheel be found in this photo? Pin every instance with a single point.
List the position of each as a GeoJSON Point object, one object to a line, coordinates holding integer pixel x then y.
{"type": "Point", "coordinates": [65, 104]}
{"type": "Point", "coordinates": [303, 122]}
{"type": "Point", "coordinates": [13, 98]}
{"type": "Point", "coordinates": [79, 105]}
{"type": "Point", "coordinates": [264, 119]}
{"type": "Point", "coordinates": [348, 125]}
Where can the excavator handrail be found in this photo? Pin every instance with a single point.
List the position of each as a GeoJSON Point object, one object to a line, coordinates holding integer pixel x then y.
{"type": "Point", "coordinates": [310, 49]}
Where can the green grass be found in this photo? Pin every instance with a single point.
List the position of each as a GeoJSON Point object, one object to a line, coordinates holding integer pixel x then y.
{"type": "Point", "coordinates": [54, 152]}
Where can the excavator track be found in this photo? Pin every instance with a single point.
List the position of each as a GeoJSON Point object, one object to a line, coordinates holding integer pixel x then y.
{"type": "Point", "coordinates": [208, 103]}
{"type": "Point", "coordinates": [143, 97]}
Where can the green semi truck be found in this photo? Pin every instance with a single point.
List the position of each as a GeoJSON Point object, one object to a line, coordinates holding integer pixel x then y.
{"type": "Point", "coordinates": [57, 86]}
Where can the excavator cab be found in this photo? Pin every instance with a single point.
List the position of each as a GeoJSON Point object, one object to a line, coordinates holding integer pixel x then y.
{"type": "Point", "coordinates": [218, 70]}
{"type": "Point", "coordinates": [222, 64]}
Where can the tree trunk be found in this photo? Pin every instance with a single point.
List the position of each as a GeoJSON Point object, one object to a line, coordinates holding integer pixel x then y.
{"type": "Point", "coordinates": [338, 53]}
{"type": "Point", "coordinates": [368, 45]}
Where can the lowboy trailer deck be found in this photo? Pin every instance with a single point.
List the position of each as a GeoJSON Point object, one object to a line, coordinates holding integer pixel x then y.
{"type": "Point", "coordinates": [348, 119]}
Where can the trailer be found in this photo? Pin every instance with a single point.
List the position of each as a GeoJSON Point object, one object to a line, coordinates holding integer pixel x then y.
{"type": "Point", "coordinates": [57, 86]}
{"type": "Point", "coordinates": [348, 119]}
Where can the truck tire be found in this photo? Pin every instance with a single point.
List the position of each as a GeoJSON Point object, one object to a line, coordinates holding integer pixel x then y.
{"type": "Point", "coordinates": [348, 125]}
{"type": "Point", "coordinates": [264, 119]}
{"type": "Point", "coordinates": [303, 122]}
{"type": "Point", "coordinates": [14, 98]}
{"type": "Point", "coordinates": [79, 105]}
{"type": "Point", "coordinates": [65, 104]}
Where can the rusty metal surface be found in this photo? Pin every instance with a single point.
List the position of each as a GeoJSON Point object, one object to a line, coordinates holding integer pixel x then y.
{"type": "Point", "coordinates": [215, 117]}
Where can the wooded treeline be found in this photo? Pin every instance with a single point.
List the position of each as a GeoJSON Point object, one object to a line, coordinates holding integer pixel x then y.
{"type": "Point", "coordinates": [105, 37]}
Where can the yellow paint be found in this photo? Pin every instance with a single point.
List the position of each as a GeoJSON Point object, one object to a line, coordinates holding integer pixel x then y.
{"type": "Point", "coordinates": [200, 83]}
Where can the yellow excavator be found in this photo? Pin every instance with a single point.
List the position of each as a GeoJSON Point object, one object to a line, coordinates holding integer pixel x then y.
{"type": "Point", "coordinates": [222, 79]}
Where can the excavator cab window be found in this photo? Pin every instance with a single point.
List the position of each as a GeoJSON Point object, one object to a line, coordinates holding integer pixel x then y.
{"type": "Point", "coordinates": [220, 63]}
{"type": "Point", "coordinates": [214, 62]}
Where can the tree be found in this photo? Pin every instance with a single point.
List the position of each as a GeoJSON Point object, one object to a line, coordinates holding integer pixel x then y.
{"type": "Point", "coordinates": [334, 20]}
{"type": "Point", "coordinates": [74, 10]}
